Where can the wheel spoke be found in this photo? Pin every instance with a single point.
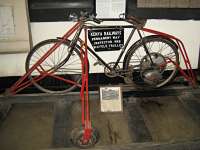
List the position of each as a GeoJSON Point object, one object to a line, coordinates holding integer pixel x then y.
{"type": "Point", "coordinates": [38, 57]}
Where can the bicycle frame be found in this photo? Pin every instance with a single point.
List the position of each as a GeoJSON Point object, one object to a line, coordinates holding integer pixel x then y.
{"type": "Point", "coordinates": [123, 49]}
{"type": "Point", "coordinates": [23, 83]}
{"type": "Point", "coordinates": [189, 76]}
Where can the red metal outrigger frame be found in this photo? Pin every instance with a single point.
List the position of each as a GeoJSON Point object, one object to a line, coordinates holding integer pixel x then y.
{"type": "Point", "coordinates": [24, 82]}
{"type": "Point", "coordinates": [84, 94]}
{"type": "Point", "coordinates": [189, 76]}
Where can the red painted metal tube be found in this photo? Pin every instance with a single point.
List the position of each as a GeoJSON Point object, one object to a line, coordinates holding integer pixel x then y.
{"type": "Point", "coordinates": [53, 48]}
{"type": "Point", "coordinates": [86, 75]}
{"type": "Point", "coordinates": [87, 127]}
{"type": "Point", "coordinates": [191, 76]}
{"type": "Point", "coordinates": [82, 95]}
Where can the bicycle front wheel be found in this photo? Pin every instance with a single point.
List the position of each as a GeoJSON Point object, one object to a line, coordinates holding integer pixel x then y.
{"type": "Point", "coordinates": [62, 62]}
{"type": "Point", "coordinates": [155, 69]}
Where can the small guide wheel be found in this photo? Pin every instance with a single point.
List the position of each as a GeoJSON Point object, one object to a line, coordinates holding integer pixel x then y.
{"type": "Point", "coordinates": [77, 138]}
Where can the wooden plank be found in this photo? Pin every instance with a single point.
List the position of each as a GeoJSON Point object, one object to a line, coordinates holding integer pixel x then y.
{"type": "Point", "coordinates": [62, 125]}
{"type": "Point", "coordinates": [191, 104]}
{"type": "Point", "coordinates": [128, 91]}
{"type": "Point", "coordinates": [189, 145]}
{"type": "Point", "coordinates": [136, 122]}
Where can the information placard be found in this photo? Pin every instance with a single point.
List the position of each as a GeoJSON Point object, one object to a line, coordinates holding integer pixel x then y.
{"type": "Point", "coordinates": [111, 99]}
{"type": "Point", "coordinates": [106, 39]}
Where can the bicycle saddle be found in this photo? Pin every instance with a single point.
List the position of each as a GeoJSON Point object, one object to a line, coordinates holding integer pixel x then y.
{"type": "Point", "coordinates": [138, 22]}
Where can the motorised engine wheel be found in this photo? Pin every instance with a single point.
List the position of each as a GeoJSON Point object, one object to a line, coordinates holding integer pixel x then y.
{"type": "Point", "coordinates": [143, 71]}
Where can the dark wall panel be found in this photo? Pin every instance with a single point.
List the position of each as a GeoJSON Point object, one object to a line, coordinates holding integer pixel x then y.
{"type": "Point", "coordinates": [162, 13]}
{"type": "Point", "coordinates": [58, 10]}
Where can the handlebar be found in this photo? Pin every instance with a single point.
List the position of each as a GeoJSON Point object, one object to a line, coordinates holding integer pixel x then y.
{"type": "Point", "coordinates": [84, 17]}
{"type": "Point", "coordinates": [98, 21]}
{"type": "Point", "coordinates": [90, 18]}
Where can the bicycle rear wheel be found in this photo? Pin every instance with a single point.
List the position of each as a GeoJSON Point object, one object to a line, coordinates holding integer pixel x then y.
{"type": "Point", "coordinates": [62, 62]}
{"type": "Point", "coordinates": [143, 72]}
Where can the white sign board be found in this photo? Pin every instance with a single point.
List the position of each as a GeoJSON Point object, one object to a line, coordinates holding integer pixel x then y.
{"type": "Point", "coordinates": [110, 8]}
{"type": "Point", "coordinates": [111, 99]}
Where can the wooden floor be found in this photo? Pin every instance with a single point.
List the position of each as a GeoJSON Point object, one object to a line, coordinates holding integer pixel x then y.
{"type": "Point", "coordinates": [46, 122]}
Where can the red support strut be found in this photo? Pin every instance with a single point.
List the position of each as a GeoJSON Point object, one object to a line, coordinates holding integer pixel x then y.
{"type": "Point", "coordinates": [189, 76]}
{"type": "Point", "coordinates": [86, 122]}
{"type": "Point", "coordinates": [24, 81]}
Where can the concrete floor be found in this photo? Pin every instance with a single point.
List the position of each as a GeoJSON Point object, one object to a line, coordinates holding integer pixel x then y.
{"type": "Point", "coordinates": [28, 127]}
{"type": "Point", "coordinates": [49, 125]}
{"type": "Point", "coordinates": [169, 121]}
